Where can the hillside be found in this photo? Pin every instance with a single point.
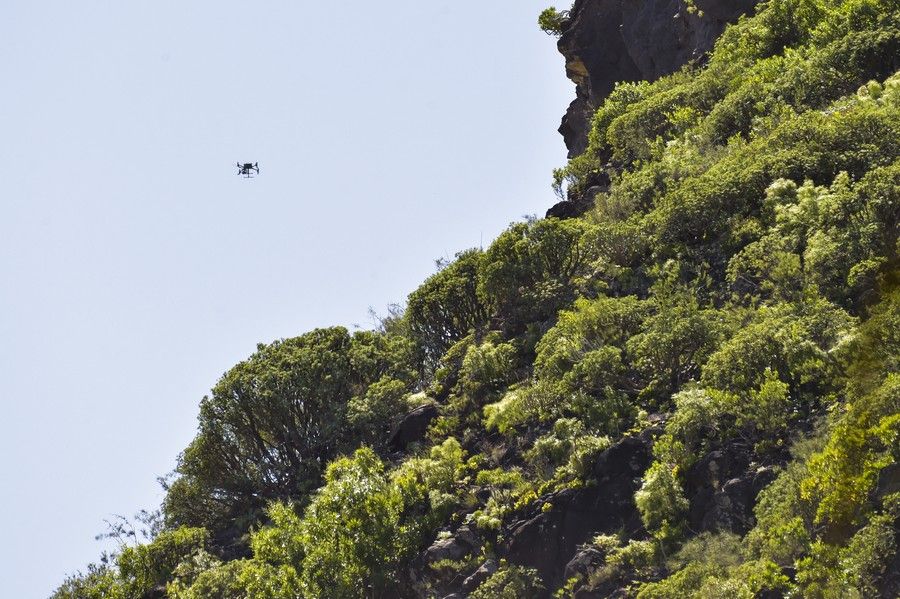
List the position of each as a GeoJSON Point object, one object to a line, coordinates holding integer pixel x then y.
{"type": "Point", "coordinates": [684, 382]}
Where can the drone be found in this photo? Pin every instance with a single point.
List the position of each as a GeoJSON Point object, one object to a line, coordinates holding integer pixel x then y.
{"type": "Point", "coordinates": [247, 169]}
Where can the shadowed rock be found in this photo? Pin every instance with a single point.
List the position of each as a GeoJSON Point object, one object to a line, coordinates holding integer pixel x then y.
{"type": "Point", "coordinates": [606, 41]}
{"type": "Point", "coordinates": [547, 540]}
{"type": "Point", "coordinates": [412, 427]}
{"type": "Point", "coordinates": [722, 488]}
{"type": "Point", "coordinates": [479, 576]}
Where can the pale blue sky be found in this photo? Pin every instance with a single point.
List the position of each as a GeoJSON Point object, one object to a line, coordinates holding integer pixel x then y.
{"type": "Point", "coordinates": [136, 267]}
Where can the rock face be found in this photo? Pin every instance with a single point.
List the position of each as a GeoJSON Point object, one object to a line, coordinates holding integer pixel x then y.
{"type": "Point", "coordinates": [888, 481]}
{"type": "Point", "coordinates": [548, 539]}
{"type": "Point", "coordinates": [605, 41]}
{"type": "Point", "coordinates": [722, 488]}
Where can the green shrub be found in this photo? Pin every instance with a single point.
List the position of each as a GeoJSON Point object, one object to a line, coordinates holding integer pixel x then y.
{"type": "Point", "coordinates": [673, 344]}
{"type": "Point", "coordinates": [552, 450]}
{"type": "Point", "coordinates": [145, 567]}
{"type": "Point", "coordinates": [99, 582]}
{"type": "Point", "coordinates": [523, 405]}
{"type": "Point", "coordinates": [636, 559]}
{"type": "Point", "coordinates": [551, 20]}
{"type": "Point", "coordinates": [862, 443]}
{"type": "Point", "coordinates": [510, 582]}
{"type": "Point", "coordinates": [589, 325]}
{"type": "Point", "coordinates": [431, 487]}
{"type": "Point", "coordinates": [222, 581]}
{"type": "Point", "coordinates": [567, 452]}
{"type": "Point", "coordinates": [506, 488]}
{"type": "Point", "coordinates": [371, 415]}
{"type": "Point", "coordinates": [487, 368]}
{"type": "Point", "coordinates": [867, 556]}
{"type": "Point", "coordinates": [447, 306]}
{"type": "Point", "coordinates": [796, 340]}
{"type": "Point", "coordinates": [697, 420]}
{"type": "Point", "coordinates": [349, 531]}
{"type": "Point", "coordinates": [534, 269]}
{"type": "Point", "coordinates": [661, 501]}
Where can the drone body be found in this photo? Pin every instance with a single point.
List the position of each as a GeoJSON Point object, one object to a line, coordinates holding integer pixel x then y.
{"type": "Point", "coordinates": [247, 169]}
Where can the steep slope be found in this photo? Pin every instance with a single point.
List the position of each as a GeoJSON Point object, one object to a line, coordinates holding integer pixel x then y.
{"type": "Point", "coordinates": [690, 390]}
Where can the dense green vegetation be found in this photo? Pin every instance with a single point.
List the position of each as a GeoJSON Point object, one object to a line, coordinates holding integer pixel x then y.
{"type": "Point", "coordinates": [737, 286]}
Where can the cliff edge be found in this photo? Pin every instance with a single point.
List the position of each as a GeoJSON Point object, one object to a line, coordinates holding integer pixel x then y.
{"type": "Point", "coordinates": [607, 41]}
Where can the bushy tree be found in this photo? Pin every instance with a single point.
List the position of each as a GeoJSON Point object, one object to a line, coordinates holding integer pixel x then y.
{"type": "Point", "coordinates": [534, 269]}
{"type": "Point", "coordinates": [661, 501]}
{"type": "Point", "coordinates": [796, 340]}
{"type": "Point", "coordinates": [268, 426]}
{"type": "Point", "coordinates": [274, 420]}
{"type": "Point", "coordinates": [510, 582]}
{"type": "Point", "coordinates": [149, 566]}
{"type": "Point", "coordinates": [370, 415]}
{"type": "Point", "coordinates": [674, 343]}
{"type": "Point", "coordinates": [589, 326]}
{"type": "Point", "coordinates": [349, 531]}
{"type": "Point", "coordinates": [487, 368]}
{"type": "Point", "coordinates": [447, 306]}
{"type": "Point", "coordinates": [99, 582]}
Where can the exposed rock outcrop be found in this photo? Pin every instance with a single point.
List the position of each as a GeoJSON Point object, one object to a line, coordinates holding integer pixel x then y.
{"type": "Point", "coordinates": [548, 539]}
{"type": "Point", "coordinates": [451, 566]}
{"type": "Point", "coordinates": [888, 481]}
{"type": "Point", "coordinates": [585, 561]}
{"type": "Point", "coordinates": [479, 576]}
{"type": "Point", "coordinates": [455, 547]}
{"type": "Point", "coordinates": [606, 41]}
{"type": "Point", "coordinates": [722, 488]}
{"type": "Point", "coordinates": [563, 210]}
{"type": "Point", "coordinates": [412, 427]}
{"type": "Point", "coordinates": [576, 205]}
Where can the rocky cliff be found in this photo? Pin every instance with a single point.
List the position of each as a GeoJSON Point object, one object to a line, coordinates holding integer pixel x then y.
{"type": "Point", "coordinates": [606, 41]}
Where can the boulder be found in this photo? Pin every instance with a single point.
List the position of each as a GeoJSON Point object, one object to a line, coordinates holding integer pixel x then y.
{"type": "Point", "coordinates": [577, 205]}
{"type": "Point", "coordinates": [479, 576]}
{"type": "Point", "coordinates": [588, 559]}
{"type": "Point", "coordinates": [453, 548]}
{"type": "Point", "coordinates": [562, 210]}
{"type": "Point", "coordinates": [705, 480]}
{"type": "Point", "coordinates": [447, 549]}
{"type": "Point", "coordinates": [412, 427]}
